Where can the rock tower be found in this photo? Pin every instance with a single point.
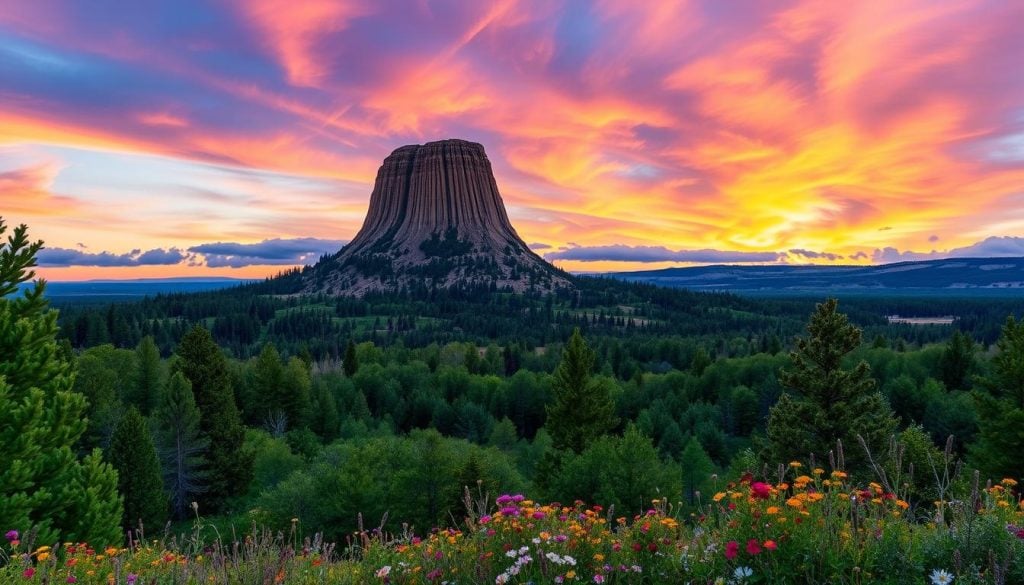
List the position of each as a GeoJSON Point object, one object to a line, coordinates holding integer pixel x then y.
{"type": "Point", "coordinates": [435, 219]}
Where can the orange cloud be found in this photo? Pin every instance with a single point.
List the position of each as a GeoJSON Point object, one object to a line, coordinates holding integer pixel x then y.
{"type": "Point", "coordinates": [293, 31]}
{"type": "Point", "coordinates": [26, 193]}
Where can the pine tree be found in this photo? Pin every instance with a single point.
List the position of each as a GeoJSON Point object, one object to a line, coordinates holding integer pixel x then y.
{"type": "Point", "coordinates": [957, 361]}
{"type": "Point", "coordinates": [133, 455]}
{"type": "Point", "coordinates": [148, 377]}
{"type": "Point", "coordinates": [351, 362]}
{"type": "Point", "coordinates": [42, 483]}
{"type": "Point", "coordinates": [997, 452]}
{"type": "Point", "coordinates": [180, 445]}
{"type": "Point", "coordinates": [697, 468]}
{"type": "Point", "coordinates": [583, 409]}
{"type": "Point", "coordinates": [294, 397]}
{"type": "Point", "coordinates": [204, 365]}
{"type": "Point", "coordinates": [267, 380]}
{"type": "Point", "coordinates": [827, 402]}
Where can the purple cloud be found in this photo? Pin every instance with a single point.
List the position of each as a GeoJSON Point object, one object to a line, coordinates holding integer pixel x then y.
{"type": "Point", "coordinates": [811, 254]}
{"type": "Point", "coordinates": [57, 257]}
{"type": "Point", "coordinates": [991, 247]}
{"type": "Point", "coordinates": [290, 252]}
{"type": "Point", "coordinates": [622, 253]}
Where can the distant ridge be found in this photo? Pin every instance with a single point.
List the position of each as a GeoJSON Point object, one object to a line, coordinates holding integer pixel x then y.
{"type": "Point", "coordinates": [953, 276]}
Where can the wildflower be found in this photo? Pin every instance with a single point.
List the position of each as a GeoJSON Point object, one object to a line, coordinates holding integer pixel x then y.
{"type": "Point", "coordinates": [718, 497]}
{"type": "Point", "coordinates": [598, 578]}
{"type": "Point", "coordinates": [742, 572]}
{"type": "Point", "coordinates": [795, 464]}
{"type": "Point", "coordinates": [753, 547]}
{"type": "Point", "coordinates": [1009, 482]}
{"type": "Point", "coordinates": [772, 510]}
{"type": "Point", "coordinates": [71, 579]}
{"type": "Point", "coordinates": [132, 578]}
{"type": "Point", "coordinates": [383, 572]}
{"type": "Point", "coordinates": [794, 502]}
{"type": "Point", "coordinates": [485, 519]}
{"type": "Point", "coordinates": [770, 545]}
{"type": "Point", "coordinates": [760, 490]}
{"type": "Point", "coordinates": [29, 573]}
{"type": "Point", "coordinates": [12, 535]}
{"type": "Point", "coordinates": [731, 549]}
{"type": "Point", "coordinates": [941, 577]}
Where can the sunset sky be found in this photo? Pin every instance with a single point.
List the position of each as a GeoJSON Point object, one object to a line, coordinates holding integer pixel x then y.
{"type": "Point", "coordinates": [240, 137]}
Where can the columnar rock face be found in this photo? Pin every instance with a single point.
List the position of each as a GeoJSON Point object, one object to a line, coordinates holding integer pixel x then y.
{"type": "Point", "coordinates": [435, 219]}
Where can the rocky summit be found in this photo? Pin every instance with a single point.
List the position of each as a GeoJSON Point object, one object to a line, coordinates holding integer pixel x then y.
{"type": "Point", "coordinates": [436, 219]}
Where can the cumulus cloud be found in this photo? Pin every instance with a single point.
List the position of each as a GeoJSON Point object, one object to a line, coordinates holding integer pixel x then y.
{"type": "Point", "coordinates": [623, 253]}
{"type": "Point", "coordinates": [57, 257]}
{"type": "Point", "coordinates": [991, 247]}
{"type": "Point", "coordinates": [276, 252]}
{"type": "Point", "coordinates": [811, 254]}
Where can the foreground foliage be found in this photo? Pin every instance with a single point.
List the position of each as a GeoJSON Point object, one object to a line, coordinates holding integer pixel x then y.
{"type": "Point", "coordinates": [43, 482]}
{"type": "Point", "coordinates": [809, 526]}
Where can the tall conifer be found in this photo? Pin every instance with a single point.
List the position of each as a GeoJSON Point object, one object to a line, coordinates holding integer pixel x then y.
{"type": "Point", "coordinates": [827, 402]}
{"type": "Point", "coordinates": [42, 483]}
{"type": "Point", "coordinates": [583, 409]}
{"type": "Point", "coordinates": [181, 445]}
{"type": "Point", "coordinates": [203, 364]}
{"type": "Point", "coordinates": [138, 472]}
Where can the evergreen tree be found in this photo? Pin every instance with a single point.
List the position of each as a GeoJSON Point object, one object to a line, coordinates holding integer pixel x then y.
{"type": "Point", "coordinates": [294, 398]}
{"type": "Point", "coordinates": [325, 419]}
{"type": "Point", "coordinates": [351, 362]}
{"type": "Point", "coordinates": [181, 445]}
{"type": "Point", "coordinates": [697, 468]}
{"type": "Point", "coordinates": [43, 486]}
{"type": "Point", "coordinates": [701, 360]}
{"type": "Point", "coordinates": [145, 394]}
{"type": "Point", "coordinates": [133, 455]}
{"type": "Point", "coordinates": [997, 452]}
{"type": "Point", "coordinates": [828, 402]}
{"type": "Point", "coordinates": [582, 409]}
{"type": "Point", "coordinates": [957, 362]}
{"type": "Point", "coordinates": [204, 365]}
{"type": "Point", "coordinates": [268, 372]}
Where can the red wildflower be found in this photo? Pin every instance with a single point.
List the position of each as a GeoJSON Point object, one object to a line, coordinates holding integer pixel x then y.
{"type": "Point", "coordinates": [753, 547]}
{"type": "Point", "coordinates": [732, 548]}
{"type": "Point", "coordinates": [760, 490]}
{"type": "Point", "coordinates": [770, 545]}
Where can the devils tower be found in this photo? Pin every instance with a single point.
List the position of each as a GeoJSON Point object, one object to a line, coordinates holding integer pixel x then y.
{"type": "Point", "coordinates": [435, 219]}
